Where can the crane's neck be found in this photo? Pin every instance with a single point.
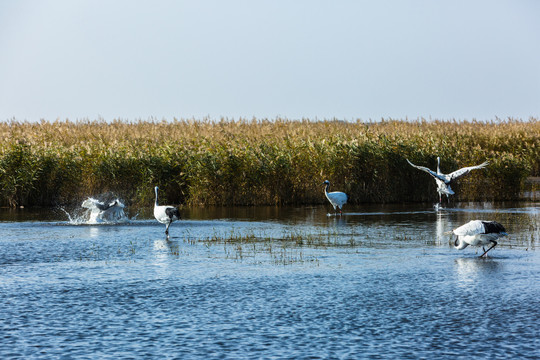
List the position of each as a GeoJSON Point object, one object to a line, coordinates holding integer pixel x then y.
{"type": "Point", "coordinates": [156, 203]}
{"type": "Point", "coordinates": [438, 165]}
{"type": "Point", "coordinates": [326, 188]}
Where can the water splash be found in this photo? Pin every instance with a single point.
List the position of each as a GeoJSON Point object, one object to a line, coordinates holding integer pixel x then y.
{"type": "Point", "coordinates": [71, 220]}
{"type": "Point", "coordinates": [99, 212]}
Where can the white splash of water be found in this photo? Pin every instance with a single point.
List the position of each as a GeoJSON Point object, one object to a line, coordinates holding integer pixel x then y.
{"type": "Point", "coordinates": [68, 215]}
{"type": "Point", "coordinates": [98, 212]}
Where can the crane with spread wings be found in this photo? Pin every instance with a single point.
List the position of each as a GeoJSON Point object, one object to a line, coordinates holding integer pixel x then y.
{"type": "Point", "coordinates": [444, 180]}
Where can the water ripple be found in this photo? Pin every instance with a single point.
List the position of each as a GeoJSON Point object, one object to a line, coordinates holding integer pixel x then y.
{"type": "Point", "coordinates": [381, 287]}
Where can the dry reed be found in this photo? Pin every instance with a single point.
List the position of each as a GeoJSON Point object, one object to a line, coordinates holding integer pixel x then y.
{"type": "Point", "coordinates": [256, 162]}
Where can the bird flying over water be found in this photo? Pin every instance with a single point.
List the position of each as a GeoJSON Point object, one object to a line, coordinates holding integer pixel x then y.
{"type": "Point", "coordinates": [478, 233]}
{"type": "Point", "coordinates": [444, 180]}
{"type": "Point", "coordinates": [336, 198]}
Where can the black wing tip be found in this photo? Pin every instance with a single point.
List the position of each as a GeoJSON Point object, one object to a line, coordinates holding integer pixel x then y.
{"type": "Point", "coordinates": [492, 227]}
{"type": "Point", "coordinates": [172, 212]}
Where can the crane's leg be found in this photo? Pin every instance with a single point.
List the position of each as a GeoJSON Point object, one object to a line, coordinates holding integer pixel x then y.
{"type": "Point", "coordinates": [167, 229]}
{"type": "Point", "coordinates": [485, 251]}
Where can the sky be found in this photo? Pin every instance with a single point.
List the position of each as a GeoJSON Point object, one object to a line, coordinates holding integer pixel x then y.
{"type": "Point", "coordinates": [209, 59]}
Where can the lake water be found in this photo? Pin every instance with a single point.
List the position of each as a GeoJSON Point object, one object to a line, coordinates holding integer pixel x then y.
{"type": "Point", "coordinates": [281, 283]}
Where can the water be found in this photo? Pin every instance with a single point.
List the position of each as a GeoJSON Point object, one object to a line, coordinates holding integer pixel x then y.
{"type": "Point", "coordinates": [244, 283]}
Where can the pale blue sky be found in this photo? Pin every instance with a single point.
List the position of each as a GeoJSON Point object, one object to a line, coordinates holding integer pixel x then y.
{"type": "Point", "coordinates": [132, 60]}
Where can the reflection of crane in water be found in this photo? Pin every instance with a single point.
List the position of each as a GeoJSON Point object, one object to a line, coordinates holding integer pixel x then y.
{"type": "Point", "coordinates": [469, 270]}
{"type": "Point", "coordinates": [100, 211]}
{"type": "Point", "coordinates": [478, 233]}
{"type": "Point", "coordinates": [441, 225]}
{"type": "Point", "coordinates": [444, 180]}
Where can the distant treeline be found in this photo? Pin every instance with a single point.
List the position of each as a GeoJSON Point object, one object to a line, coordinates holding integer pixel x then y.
{"type": "Point", "coordinates": [261, 162]}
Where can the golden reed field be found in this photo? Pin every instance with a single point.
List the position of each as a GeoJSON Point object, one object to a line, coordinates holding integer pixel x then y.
{"type": "Point", "coordinates": [262, 162]}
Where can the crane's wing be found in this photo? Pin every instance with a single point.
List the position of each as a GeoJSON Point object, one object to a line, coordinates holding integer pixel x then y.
{"type": "Point", "coordinates": [338, 197]}
{"type": "Point", "coordinates": [92, 203]}
{"type": "Point", "coordinates": [473, 227]}
{"type": "Point", "coordinates": [466, 170]}
{"type": "Point", "coordinates": [429, 171]}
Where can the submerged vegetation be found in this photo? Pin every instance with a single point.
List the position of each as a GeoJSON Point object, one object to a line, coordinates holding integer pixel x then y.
{"type": "Point", "coordinates": [261, 162]}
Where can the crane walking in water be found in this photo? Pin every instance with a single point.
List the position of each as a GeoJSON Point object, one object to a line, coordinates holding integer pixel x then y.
{"type": "Point", "coordinates": [478, 233]}
{"type": "Point", "coordinates": [444, 180]}
{"type": "Point", "coordinates": [336, 198]}
{"type": "Point", "coordinates": [165, 214]}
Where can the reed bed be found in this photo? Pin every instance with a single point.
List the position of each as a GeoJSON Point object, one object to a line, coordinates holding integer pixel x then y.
{"type": "Point", "coordinates": [261, 162]}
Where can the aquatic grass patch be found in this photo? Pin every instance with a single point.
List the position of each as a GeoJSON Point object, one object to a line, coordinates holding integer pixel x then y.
{"type": "Point", "coordinates": [261, 162]}
{"type": "Point", "coordinates": [260, 248]}
{"type": "Point", "coordinates": [290, 246]}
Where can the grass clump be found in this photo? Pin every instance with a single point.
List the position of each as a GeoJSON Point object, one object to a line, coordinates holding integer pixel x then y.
{"type": "Point", "coordinates": [260, 162]}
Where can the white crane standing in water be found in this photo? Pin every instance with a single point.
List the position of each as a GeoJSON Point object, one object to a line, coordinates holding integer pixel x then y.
{"type": "Point", "coordinates": [478, 233]}
{"type": "Point", "coordinates": [336, 198]}
{"type": "Point", "coordinates": [165, 214]}
{"type": "Point", "coordinates": [444, 180]}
